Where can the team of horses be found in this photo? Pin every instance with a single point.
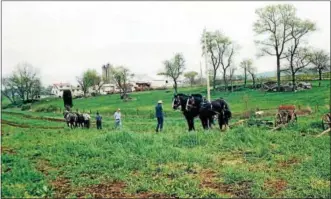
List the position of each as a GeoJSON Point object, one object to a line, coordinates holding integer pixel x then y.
{"type": "Point", "coordinates": [74, 120]}
{"type": "Point", "coordinates": [194, 105]}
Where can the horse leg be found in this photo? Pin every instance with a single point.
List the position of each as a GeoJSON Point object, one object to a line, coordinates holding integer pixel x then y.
{"type": "Point", "coordinates": [209, 122]}
{"type": "Point", "coordinates": [202, 121]}
{"type": "Point", "coordinates": [220, 121]}
{"type": "Point", "coordinates": [188, 123]}
{"type": "Point", "coordinates": [193, 124]}
{"type": "Point", "coordinates": [205, 123]}
{"type": "Point", "coordinates": [226, 121]}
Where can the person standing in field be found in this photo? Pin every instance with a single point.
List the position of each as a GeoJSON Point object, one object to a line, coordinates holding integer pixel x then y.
{"type": "Point", "coordinates": [117, 117]}
{"type": "Point", "coordinates": [99, 121]}
{"type": "Point", "coordinates": [159, 116]}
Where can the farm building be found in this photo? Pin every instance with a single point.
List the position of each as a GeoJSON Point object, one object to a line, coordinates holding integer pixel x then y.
{"type": "Point", "coordinates": [108, 89]}
{"type": "Point", "coordinates": [58, 88]}
{"type": "Point", "coordinates": [155, 82]}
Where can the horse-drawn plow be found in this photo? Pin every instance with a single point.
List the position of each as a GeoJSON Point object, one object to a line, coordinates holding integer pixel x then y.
{"type": "Point", "coordinates": [285, 115]}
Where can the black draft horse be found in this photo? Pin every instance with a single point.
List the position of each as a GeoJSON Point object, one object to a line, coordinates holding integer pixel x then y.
{"type": "Point", "coordinates": [205, 113]}
{"type": "Point", "coordinates": [208, 110]}
{"type": "Point", "coordinates": [179, 102]}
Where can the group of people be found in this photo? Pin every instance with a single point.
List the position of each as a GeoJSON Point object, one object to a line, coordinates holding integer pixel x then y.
{"type": "Point", "coordinates": [118, 122]}
{"type": "Point", "coordinates": [117, 117]}
{"type": "Point", "coordinates": [158, 114]}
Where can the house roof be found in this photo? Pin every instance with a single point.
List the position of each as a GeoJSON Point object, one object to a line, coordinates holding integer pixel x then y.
{"type": "Point", "coordinates": [61, 84]}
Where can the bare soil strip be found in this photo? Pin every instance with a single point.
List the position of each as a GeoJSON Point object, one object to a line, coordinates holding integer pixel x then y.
{"type": "Point", "coordinates": [35, 117]}
{"type": "Point", "coordinates": [28, 126]}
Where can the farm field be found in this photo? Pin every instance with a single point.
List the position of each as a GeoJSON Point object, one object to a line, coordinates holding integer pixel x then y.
{"type": "Point", "coordinates": [42, 157]}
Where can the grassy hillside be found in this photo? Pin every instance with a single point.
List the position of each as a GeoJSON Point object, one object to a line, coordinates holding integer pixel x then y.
{"type": "Point", "coordinates": [41, 157]}
{"type": "Point", "coordinates": [143, 102]}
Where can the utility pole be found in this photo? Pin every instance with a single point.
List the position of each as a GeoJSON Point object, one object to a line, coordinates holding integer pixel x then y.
{"type": "Point", "coordinates": [201, 73]}
{"type": "Point", "coordinates": [206, 63]}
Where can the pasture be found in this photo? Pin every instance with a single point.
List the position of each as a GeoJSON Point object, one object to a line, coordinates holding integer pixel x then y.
{"type": "Point", "coordinates": [42, 157]}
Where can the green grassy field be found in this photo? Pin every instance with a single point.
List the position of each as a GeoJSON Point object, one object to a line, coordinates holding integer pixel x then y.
{"type": "Point", "coordinates": [44, 158]}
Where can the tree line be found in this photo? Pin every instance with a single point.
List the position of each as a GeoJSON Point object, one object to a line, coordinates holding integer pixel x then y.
{"type": "Point", "coordinates": [280, 33]}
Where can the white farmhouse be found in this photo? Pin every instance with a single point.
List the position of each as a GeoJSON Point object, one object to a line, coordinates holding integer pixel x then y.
{"type": "Point", "coordinates": [156, 82]}
{"type": "Point", "coordinates": [58, 88]}
{"type": "Point", "coordinates": [108, 89]}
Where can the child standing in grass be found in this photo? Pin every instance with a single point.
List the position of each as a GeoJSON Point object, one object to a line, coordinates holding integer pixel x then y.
{"type": "Point", "coordinates": [117, 117]}
{"type": "Point", "coordinates": [99, 119]}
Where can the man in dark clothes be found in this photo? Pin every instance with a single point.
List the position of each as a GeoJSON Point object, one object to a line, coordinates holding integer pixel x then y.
{"type": "Point", "coordinates": [159, 116]}
{"type": "Point", "coordinates": [99, 121]}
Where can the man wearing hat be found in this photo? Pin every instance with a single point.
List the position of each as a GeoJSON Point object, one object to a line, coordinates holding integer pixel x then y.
{"type": "Point", "coordinates": [159, 116]}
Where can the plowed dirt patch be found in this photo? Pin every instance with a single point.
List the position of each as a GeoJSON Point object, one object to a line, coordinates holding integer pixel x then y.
{"type": "Point", "coordinates": [274, 187]}
{"type": "Point", "coordinates": [208, 180]}
{"type": "Point", "coordinates": [288, 163]}
{"type": "Point", "coordinates": [7, 150]}
{"type": "Point", "coordinates": [28, 126]}
{"type": "Point", "coordinates": [63, 188]}
{"type": "Point", "coordinates": [44, 166]}
{"type": "Point", "coordinates": [36, 117]}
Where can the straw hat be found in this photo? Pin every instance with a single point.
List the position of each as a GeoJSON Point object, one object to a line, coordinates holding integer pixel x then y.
{"type": "Point", "coordinates": [160, 102]}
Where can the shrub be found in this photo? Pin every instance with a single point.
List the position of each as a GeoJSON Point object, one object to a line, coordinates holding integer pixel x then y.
{"type": "Point", "coordinates": [51, 108]}
{"type": "Point", "coordinates": [26, 107]}
{"type": "Point", "coordinates": [40, 109]}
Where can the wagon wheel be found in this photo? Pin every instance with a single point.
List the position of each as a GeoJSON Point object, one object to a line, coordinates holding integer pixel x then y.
{"type": "Point", "coordinates": [278, 119]}
{"type": "Point", "coordinates": [294, 118]}
{"type": "Point", "coordinates": [285, 117]}
{"type": "Point", "coordinates": [326, 121]}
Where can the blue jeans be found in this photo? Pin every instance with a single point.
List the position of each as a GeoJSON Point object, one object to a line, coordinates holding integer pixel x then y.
{"type": "Point", "coordinates": [159, 124]}
{"type": "Point", "coordinates": [118, 123]}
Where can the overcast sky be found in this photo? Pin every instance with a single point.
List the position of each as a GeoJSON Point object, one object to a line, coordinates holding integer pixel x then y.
{"type": "Point", "coordinates": [63, 39]}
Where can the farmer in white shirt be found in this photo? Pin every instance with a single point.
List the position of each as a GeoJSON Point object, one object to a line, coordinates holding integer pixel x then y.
{"type": "Point", "coordinates": [117, 117]}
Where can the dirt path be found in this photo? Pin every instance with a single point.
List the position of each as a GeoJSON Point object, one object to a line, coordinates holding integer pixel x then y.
{"type": "Point", "coordinates": [28, 126]}
{"type": "Point", "coordinates": [35, 117]}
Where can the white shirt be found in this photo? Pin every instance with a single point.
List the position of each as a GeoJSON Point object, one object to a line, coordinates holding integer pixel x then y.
{"type": "Point", "coordinates": [117, 116]}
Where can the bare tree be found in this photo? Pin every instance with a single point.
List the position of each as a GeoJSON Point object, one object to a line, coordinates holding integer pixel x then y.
{"type": "Point", "coordinates": [220, 49]}
{"type": "Point", "coordinates": [252, 71]}
{"type": "Point", "coordinates": [321, 61]}
{"type": "Point", "coordinates": [174, 68]}
{"type": "Point", "coordinates": [231, 76]}
{"type": "Point", "coordinates": [295, 55]}
{"type": "Point", "coordinates": [275, 21]}
{"type": "Point", "coordinates": [244, 65]}
{"type": "Point", "coordinates": [99, 83]}
{"type": "Point", "coordinates": [227, 52]}
{"type": "Point", "coordinates": [8, 89]}
{"type": "Point", "coordinates": [297, 62]}
{"type": "Point", "coordinates": [120, 76]}
{"type": "Point", "coordinates": [212, 43]}
{"type": "Point", "coordinates": [24, 82]}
